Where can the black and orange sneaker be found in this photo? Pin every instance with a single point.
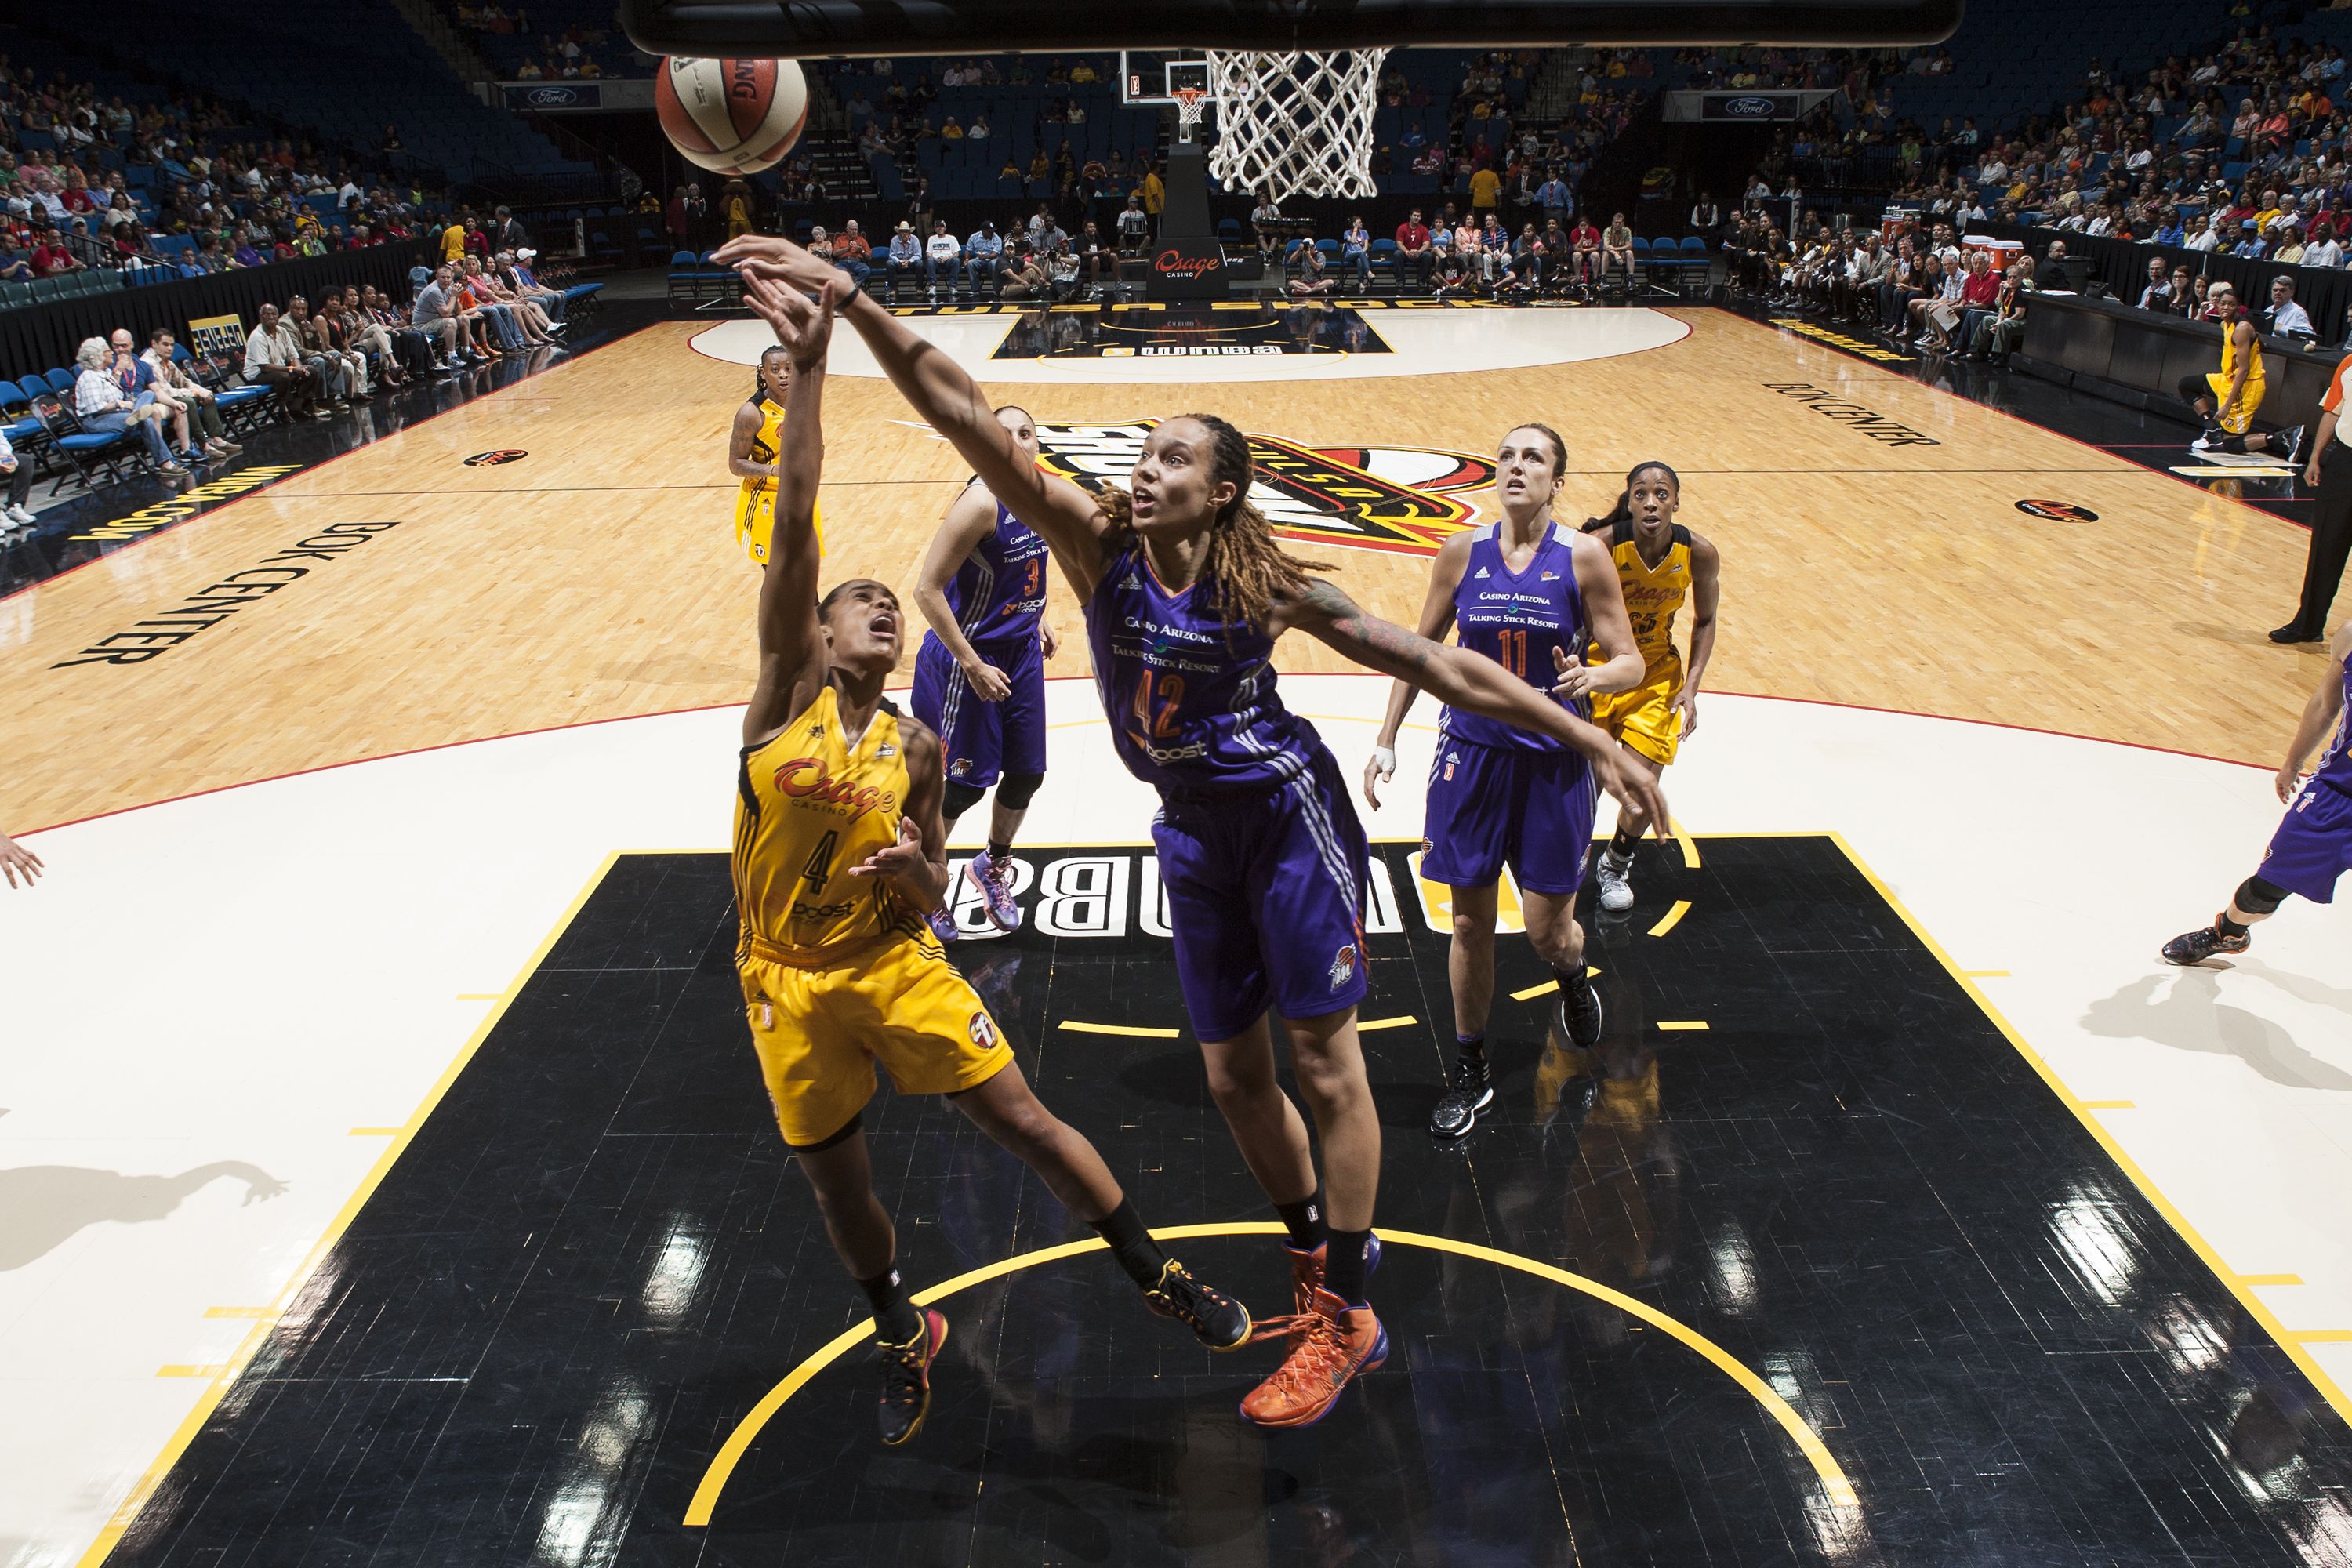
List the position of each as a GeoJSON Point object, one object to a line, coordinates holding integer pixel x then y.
{"type": "Point", "coordinates": [1216, 1320]}
{"type": "Point", "coordinates": [1330, 1343]}
{"type": "Point", "coordinates": [2196, 946]}
{"type": "Point", "coordinates": [907, 1379]}
{"type": "Point", "coordinates": [1307, 1274]}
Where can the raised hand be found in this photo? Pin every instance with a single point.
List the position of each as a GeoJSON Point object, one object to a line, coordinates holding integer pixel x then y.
{"type": "Point", "coordinates": [779, 260]}
{"type": "Point", "coordinates": [804, 327]}
{"type": "Point", "coordinates": [1575, 679]}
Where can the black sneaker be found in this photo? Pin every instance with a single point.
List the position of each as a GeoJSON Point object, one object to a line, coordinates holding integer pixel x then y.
{"type": "Point", "coordinates": [2292, 435]}
{"type": "Point", "coordinates": [2196, 946]}
{"type": "Point", "coordinates": [1469, 1089]}
{"type": "Point", "coordinates": [1216, 1320]}
{"type": "Point", "coordinates": [2290, 633]}
{"type": "Point", "coordinates": [1580, 1015]}
{"type": "Point", "coordinates": [907, 1379]}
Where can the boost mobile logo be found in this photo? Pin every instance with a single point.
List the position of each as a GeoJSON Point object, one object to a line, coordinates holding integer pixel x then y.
{"type": "Point", "coordinates": [1395, 499]}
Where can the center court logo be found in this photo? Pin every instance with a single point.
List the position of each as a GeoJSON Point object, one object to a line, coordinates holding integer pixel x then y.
{"type": "Point", "coordinates": [1395, 499]}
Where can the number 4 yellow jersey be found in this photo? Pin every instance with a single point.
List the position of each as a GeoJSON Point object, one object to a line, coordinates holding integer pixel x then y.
{"type": "Point", "coordinates": [808, 807]}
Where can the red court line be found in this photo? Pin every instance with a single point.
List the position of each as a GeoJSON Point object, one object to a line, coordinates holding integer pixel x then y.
{"type": "Point", "coordinates": [1351, 674]}
{"type": "Point", "coordinates": [2020, 419]}
{"type": "Point", "coordinates": [308, 469]}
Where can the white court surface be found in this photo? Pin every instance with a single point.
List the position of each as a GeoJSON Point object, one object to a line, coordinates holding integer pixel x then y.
{"type": "Point", "coordinates": [200, 1077]}
{"type": "Point", "coordinates": [1424, 341]}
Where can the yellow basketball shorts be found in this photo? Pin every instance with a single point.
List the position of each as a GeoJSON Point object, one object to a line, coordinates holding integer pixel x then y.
{"type": "Point", "coordinates": [820, 1029]}
{"type": "Point", "coordinates": [1645, 718]}
{"type": "Point", "coordinates": [755, 521]}
{"type": "Point", "coordinates": [2250, 398]}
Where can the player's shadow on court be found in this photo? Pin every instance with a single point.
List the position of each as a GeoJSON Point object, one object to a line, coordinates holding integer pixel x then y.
{"type": "Point", "coordinates": [42, 1206]}
{"type": "Point", "coordinates": [2190, 1016]}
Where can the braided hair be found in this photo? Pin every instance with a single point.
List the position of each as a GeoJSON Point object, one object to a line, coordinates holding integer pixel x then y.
{"type": "Point", "coordinates": [1624, 510]}
{"type": "Point", "coordinates": [759, 381]}
{"type": "Point", "coordinates": [1245, 570]}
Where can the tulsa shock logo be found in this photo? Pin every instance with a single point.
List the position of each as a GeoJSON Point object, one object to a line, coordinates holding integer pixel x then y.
{"type": "Point", "coordinates": [1396, 499]}
{"type": "Point", "coordinates": [805, 779]}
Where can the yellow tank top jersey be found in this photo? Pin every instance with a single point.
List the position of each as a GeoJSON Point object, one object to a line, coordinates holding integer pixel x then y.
{"type": "Point", "coordinates": [1652, 593]}
{"type": "Point", "coordinates": [2229, 361]}
{"type": "Point", "coordinates": [809, 805]}
{"type": "Point", "coordinates": [755, 502]}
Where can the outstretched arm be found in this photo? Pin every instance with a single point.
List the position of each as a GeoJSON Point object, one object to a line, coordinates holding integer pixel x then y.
{"type": "Point", "coordinates": [792, 663]}
{"type": "Point", "coordinates": [1463, 679]}
{"type": "Point", "coordinates": [948, 400]}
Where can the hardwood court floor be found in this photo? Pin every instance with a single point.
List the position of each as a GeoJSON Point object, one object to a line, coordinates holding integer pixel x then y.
{"type": "Point", "coordinates": [597, 578]}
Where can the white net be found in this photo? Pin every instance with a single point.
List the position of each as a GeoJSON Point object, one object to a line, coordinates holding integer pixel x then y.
{"type": "Point", "coordinates": [1295, 122]}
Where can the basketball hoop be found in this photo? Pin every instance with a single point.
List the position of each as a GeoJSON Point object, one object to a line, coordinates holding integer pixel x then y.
{"type": "Point", "coordinates": [1188, 111]}
{"type": "Point", "coordinates": [1295, 122]}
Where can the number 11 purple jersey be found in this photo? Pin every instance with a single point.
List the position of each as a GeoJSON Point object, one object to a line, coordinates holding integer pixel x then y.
{"type": "Point", "coordinates": [1516, 619]}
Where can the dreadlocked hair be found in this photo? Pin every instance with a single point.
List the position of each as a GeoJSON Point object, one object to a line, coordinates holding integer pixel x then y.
{"type": "Point", "coordinates": [1245, 570]}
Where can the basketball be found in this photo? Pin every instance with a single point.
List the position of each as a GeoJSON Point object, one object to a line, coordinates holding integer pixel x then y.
{"type": "Point", "coordinates": [732, 117]}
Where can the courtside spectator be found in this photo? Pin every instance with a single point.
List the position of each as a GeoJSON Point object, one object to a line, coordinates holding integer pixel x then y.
{"type": "Point", "coordinates": [1134, 226]}
{"type": "Point", "coordinates": [18, 472]}
{"type": "Point", "coordinates": [942, 255]}
{"type": "Point", "coordinates": [434, 312]}
{"type": "Point", "coordinates": [853, 254]}
{"type": "Point", "coordinates": [101, 406]}
{"type": "Point", "coordinates": [1311, 273]}
{"type": "Point", "coordinates": [906, 258]}
{"type": "Point", "coordinates": [173, 382]}
{"type": "Point", "coordinates": [1356, 251]}
{"type": "Point", "coordinates": [1413, 250]}
{"type": "Point", "coordinates": [2285, 318]}
{"type": "Point", "coordinates": [2158, 295]}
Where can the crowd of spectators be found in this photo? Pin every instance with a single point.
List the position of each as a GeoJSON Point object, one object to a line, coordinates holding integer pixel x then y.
{"type": "Point", "coordinates": [90, 182]}
{"type": "Point", "coordinates": [1918, 286]}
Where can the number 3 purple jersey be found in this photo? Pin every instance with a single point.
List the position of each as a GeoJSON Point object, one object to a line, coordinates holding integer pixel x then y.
{"type": "Point", "coordinates": [1191, 700]}
{"type": "Point", "coordinates": [998, 592]}
{"type": "Point", "coordinates": [1516, 620]}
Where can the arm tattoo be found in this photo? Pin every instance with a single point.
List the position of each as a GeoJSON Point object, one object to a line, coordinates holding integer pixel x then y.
{"type": "Point", "coordinates": [1344, 616]}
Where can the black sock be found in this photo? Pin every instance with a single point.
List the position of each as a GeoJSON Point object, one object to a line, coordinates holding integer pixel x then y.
{"type": "Point", "coordinates": [1622, 842]}
{"type": "Point", "coordinates": [1000, 851]}
{"type": "Point", "coordinates": [1471, 1045]}
{"type": "Point", "coordinates": [1131, 1244]}
{"type": "Point", "coordinates": [894, 1315]}
{"type": "Point", "coordinates": [2228, 926]}
{"type": "Point", "coordinates": [1304, 1220]}
{"type": "Point", "coordinates": [1570, 980]}
{"type": "Point", "coordinates": [1343, 1266]}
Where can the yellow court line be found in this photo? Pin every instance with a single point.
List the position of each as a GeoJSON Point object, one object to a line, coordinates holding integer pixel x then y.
{"type": "Point", "coordinates": [1838, 1490]}
{"type": "Point", "coordinates": [1369, 1024]}
{"type": "Point", "coordinates": [1540, 990]}
{"type": "Point", "coordinates": [240, 1311]}
{"type": "Point", "coordinates": [2270, 1278]}
{"type": "Point", "coordinates": [374, 1133]}
{"type": "Point", "coordinates": [480, 996]}
{"type": "Point", "coordinates": [1692, 1024]}
{"type": "Point", "coordinates": [225, 1374]}
{"type": "Point", "coordinates": [1674, 918]}
{"type": "Point", "coordinates": [1986, 974]}
{"type": "Point", "coordinates": [1077, 1028]}
{"type": "Point", "coordinates": [2105, 1105]}
{"type": "Point", "coordinates": [2322, 1336]}
{"type": "Point", "coordinates": [190, 1371]}
{"type": "Point", "coordinates": [2328, 1387]}
{"type": "Point", "coordinates": [1690, 846]}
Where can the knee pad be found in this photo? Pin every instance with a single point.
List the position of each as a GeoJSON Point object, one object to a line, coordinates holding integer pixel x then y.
{"type": "Point", "coordinates": [1015, 791]}
{"type": "Point", "coordinates": [959, 799]}
{"type": "Point", "coordinates": [2257, 897]}
{"type": "Point", "coordinates": [2193, 389]}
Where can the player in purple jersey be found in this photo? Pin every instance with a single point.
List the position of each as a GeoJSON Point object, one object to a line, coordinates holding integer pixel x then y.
{"type": "Point", "coordinates": [1529, 594]}
{"type": "Point", "coordinates": [979, 676]}
{"type": "Point", "coordinates": [2313, 846]}
{"type": "Point", "coordinates": [1260, 853]}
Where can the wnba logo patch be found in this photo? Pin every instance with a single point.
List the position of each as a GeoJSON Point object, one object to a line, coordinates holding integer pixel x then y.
{"type": "Point", "coordinates": [1397, 498]}
{"type": "Point", "coordinates": [492, 459]}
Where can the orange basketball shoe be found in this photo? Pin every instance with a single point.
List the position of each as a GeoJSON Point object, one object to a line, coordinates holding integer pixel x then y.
{"type": "Point", "coordinates": [1306, 1271]}
{"type": "Point", "coordinates": [1332, 1343]}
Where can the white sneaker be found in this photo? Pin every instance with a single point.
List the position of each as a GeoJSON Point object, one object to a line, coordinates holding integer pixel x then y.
{"type": "Point", "coordinates": [20, 517]}
{"type": "Point", "coordinates": [1616, 883]}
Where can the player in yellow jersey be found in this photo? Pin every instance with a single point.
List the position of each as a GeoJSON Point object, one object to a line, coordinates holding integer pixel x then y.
{"type": "Point", "coordinates": [839, 857]}
{"type": "Point", "coordinates": [2227, 399]}
{"type": "Point", "coordinates": [1660, 563]}
{"type": "Point", "coordinates": [751, 457]}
